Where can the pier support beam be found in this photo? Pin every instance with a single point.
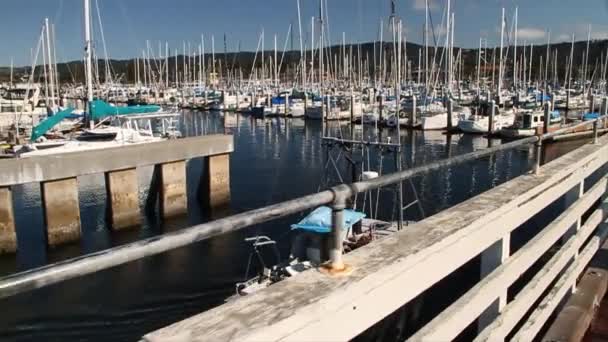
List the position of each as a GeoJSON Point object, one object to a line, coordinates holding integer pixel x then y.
{"type": "Point", "coordinates": [8, 236]}
{"type": "Point", "coordinates": [123, 198]}
{"type": "Point", "coordinates": [216, 187]}
{"type": "Point", "coordinates": [61, 211]}
{"type": "Point", "coordinates": [173, 194]}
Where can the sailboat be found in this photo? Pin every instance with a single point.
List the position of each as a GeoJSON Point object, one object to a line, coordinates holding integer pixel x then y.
{"type": "Point", "coordinates": [116, 126]}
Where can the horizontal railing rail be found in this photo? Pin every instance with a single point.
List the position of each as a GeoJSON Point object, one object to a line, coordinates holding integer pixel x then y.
{"type": "Point", "coordinates": [91, 263]}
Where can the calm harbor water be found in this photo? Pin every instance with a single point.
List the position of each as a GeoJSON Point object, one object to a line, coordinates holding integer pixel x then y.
{"type": "Point", "coordinates": [274, 160]}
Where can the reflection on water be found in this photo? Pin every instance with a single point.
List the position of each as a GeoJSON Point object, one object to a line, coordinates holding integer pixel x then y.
{"type": "Point", "coordinates": [274, 160]}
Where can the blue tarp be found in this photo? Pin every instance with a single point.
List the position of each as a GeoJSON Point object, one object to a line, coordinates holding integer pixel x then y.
{"type": "Point", "coordinates": [101, 109]}
{"type": "Point", "coordinates": [278, 100]}
{"type": "Point", "coordinates": [319, 220]}
{"type": "Point", "coordinates": [590, 116]}
{"type": "Point", "coordinates": [49, 123]}
{"type": "Point", "coordinates": [539, 97]}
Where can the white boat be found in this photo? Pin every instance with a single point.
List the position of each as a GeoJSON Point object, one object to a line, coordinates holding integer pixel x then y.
{"type": "Point", "coordinates": [297, 109]}
{"type": "Point", "coordinates": [121, 137]}
{"type": "Point", "coordinates": [529, 123]}
{"type": "Point", "coordinates": [439, 120]}
{"type": "Point", "coordinates": [481, 123]}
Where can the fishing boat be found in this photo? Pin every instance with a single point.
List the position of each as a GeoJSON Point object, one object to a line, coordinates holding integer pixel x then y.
{"type": "Point", "coordinates": [531, 122]}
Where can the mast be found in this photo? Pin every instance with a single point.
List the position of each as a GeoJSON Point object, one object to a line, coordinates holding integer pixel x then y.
{"type": "Point", "coordinates": [87, 50]}
{"type": "Point", "coordinates": [302, 55]}
{"type": "Point", "coordinates": [479, 66]}
{"type": "Point", "coordinates": [515, 83]}
{"type": "Point", "coordinates": [426, 42]}
{"type": "Point", "coordinates": [547, 59]}
{"type": "Point", "coordinates": [586, 60]}
{"type": "Point", "coordinates": [500, 68]}
{"type": "Point", "coordinates": [50, 62]}
{"type": "Point", "coordinates": [11, 79]}
{"type": "Point", "coordinates": [203, 66]}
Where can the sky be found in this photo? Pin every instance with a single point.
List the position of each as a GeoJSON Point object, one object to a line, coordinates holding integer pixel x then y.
{"type": "Point", "coordinates": [128, 24]}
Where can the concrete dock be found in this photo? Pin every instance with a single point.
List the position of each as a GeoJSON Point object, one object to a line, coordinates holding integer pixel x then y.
{"type": "Point", "coordinates": [58, 177]}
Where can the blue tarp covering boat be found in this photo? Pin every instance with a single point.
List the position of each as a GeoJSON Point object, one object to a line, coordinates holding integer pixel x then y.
{"type": "Point", "coordinates": [101, 109]}
{"type": "Point", "coordinates": [319, 220]}
{"type": "Point", "coordinates": [590, 116]}
{"type": "Point", "coordinates": [49, 123]}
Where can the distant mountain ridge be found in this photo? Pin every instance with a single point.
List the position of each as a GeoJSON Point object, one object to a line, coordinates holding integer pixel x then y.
{"type": "Point", "coordinates": [73, 71]}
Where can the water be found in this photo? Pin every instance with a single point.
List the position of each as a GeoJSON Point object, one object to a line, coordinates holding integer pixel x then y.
{"type": "Point", "coordinates": [274, 160]}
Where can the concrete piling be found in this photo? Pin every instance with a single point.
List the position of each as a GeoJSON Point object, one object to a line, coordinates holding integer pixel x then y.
{"type": "Point", "coordinates": [8, 236]}
{"type": "Point", "coordinates": [216, 187]}
{"type": "Point", "coordinates": [173, 198]}
{"type": "Point", "coordinates": [61, 211]}
{"type": "Point", "coordinates": [123, 198]}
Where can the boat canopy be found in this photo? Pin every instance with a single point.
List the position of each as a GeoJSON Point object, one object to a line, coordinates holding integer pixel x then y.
{"type": "Point", "coordinates": [319, 220]}
{"type": "Point", "coordinates": [101, 109]}
{"type": "Point", "coordinates": [49, 123]}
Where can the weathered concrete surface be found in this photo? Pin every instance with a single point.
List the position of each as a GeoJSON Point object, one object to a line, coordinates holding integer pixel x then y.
{"type": "Point", "coordinates": [173, 199]}
{"type": "Point", "coordinates": [217, 181]}
{"type": "Point", "coordinates": [390, 272]}
{"type": "Point", "coordinates": [8, 236]}
{"type": "Point", "coordinates": [123, 198]}
{"type": "Point", "coordinates": [67, 165]}
{"type": "Point", "coordinates": [61, 211]}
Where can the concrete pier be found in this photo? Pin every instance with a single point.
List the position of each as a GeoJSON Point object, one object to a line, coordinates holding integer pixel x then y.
{"type": "Point", "coordinates": [173, 199]}
{"type": "Point", "coordinates": [8, 236]}
{"type": "Point", "coordinates": [123, 198]}
{"type": "Point", "coordinates": [61, 211]}
{"type": "Point", "coordinates": [57, 174]}
{"type": "Point", "coordinates": [217, 181]}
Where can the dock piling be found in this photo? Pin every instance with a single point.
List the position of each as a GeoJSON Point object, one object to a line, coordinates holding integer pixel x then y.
{"type": "Point", "coordinates": [547, 118]}
{"type": "Point", "coordinates": [217, 181]}
{"type": "Point", "coordinates": [173, 196]}
{"type": "Point", "coordinates": [123, 198]}
{"type": "Point", "coordinates": [61, 210]}
{"type": "Point", "coordinates": [8, 235]}
{"type": "Point", "coordinates": [491, 117]}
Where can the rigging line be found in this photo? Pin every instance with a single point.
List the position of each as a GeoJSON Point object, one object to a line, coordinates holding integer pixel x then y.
{"type": "Point", "coordinates": [103, 41]}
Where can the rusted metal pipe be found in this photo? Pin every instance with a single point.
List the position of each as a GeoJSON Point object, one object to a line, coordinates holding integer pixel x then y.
{"type": "Point", "coordinates": [341, 194]}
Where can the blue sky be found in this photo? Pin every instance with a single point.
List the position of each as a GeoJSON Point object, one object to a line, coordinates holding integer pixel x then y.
{"type": "Point", "coordinates": [129, 23]}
